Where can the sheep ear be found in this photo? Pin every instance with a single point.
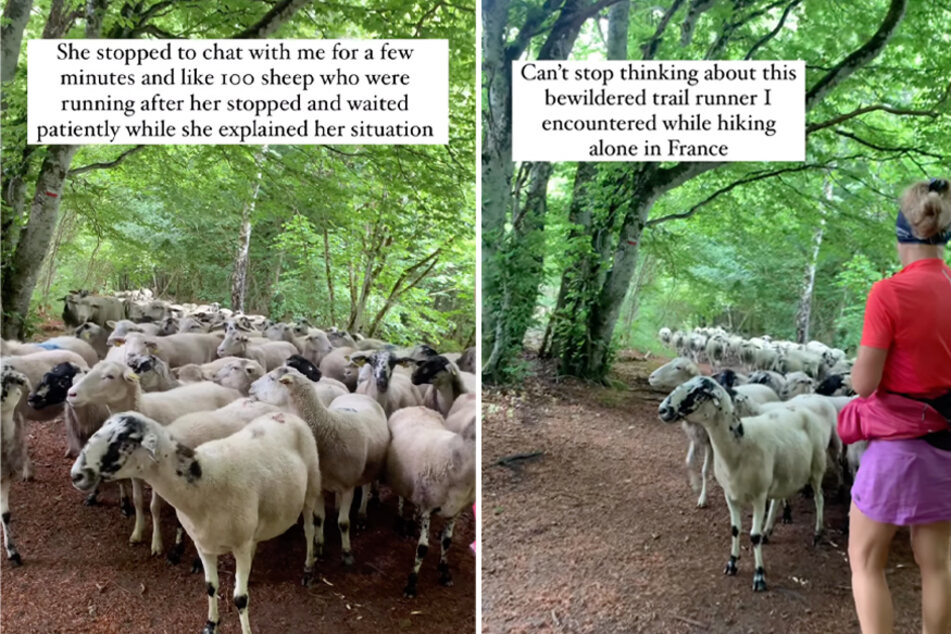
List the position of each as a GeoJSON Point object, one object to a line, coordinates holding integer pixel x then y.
{"type": "Point", "coordinates": [118, 341]}
{"type": "Point", "coordinates": [286, 379]}
{"type": "Point", "coordinates": [111, 323]}
{"type": "Point", "coordinates": [150, 444]}
{"type": "Point", "coordinates": [131, 376]}
{"type": "Point", "coordinates": [151, 346]}
{"type": "Point", "coordinates": [357, 359]}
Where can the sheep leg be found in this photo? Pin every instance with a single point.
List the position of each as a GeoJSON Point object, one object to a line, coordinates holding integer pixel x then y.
{"type": "Point", "coordinates": [242, 569]}
{"type": "Point", "coordinates": [404, 525]}
{"type": "Point", "coordinates": [756, 536]}
{"type": "Point", "coordinates": [344, 500]}
{"type": "Point", "coordinates": [691, 451]}
{"type": "Point", "coordinates": [820, 503]}
{"type": "Point", "coordinates": [736, 523]}
{"type": "Point", "coordinates": [770, 520]}
{"type": "Point", "coordinates": [125, 507]}
{"type": "Point", "coordinates": [139, 529]}
{"type": "Point", "coordinates": [28, 471]}
{"type": "Point", "coordinates": [787, 513]}
{"type": "Point", "coordinates": [156, 510]}
{"type": "Point", "coordinates": [12, 553]}
{"type": "Point", "coordinates": [309, 536]}
{"type": "Point", "coordinates": [422, 547]}
{"type": "Point", "coordinates": [445, 542]}
{"type": "Point", "coordinates": [175, 553]}
{"type": "Point", "coordinates": [319, 524]}
{"type": "Point", "coordinates": [361, 524]}
{"type": "Point", "coordinates": [707, 454]}
{"type": "Point", "coordinates": [210, 563]}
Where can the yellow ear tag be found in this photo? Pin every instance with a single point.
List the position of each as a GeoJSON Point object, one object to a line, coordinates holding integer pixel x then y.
{"type": "Point", "coordinates": [116, 344]}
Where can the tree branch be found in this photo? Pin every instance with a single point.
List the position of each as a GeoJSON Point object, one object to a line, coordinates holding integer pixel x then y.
{"type": "Point", "coordinates": [859, 57]}
{"type": "Point", "coordinates": [650, 49]}
{"type": "Point", "coordinates": [766, 38]}
{"type": "Point", "coordinates": [106, 165]}
{"type": "Point", "coordinates": [281, 13]}
{"type": "Point", "coordinates": [813, 127]}
{"type": "Point", "coordinates": [728, 188]}
{"type": "Point", "coordinates": [882, 148]}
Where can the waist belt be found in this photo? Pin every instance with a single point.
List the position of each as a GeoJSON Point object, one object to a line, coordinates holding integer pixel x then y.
{"type": "Point", "coordinates": [938, 439]}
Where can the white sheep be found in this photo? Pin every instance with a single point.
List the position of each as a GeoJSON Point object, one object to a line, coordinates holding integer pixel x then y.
{"type": "Point", "coordinates": [269, 354]}
{"type": "Point", "coordinates": [15, 386]}
{"type": "Point", "coordinates": [194, 429]}
{"type": "Point", "coordinates": [229, 494]}
{"type": "Point", "coordinates": [434, 468]}
{"type": "Point", "coordinates": [269, 390]}
{"type": "Point", "coordinates": [352, 438]}
{"type": "Point", "coordinates": [797, 383]}
{"type": "Point", "coordinates": [176, 350]}
{"type": "Point", "coordinates": [756, 459]}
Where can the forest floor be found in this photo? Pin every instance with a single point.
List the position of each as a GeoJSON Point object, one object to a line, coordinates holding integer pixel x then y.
{"type": "Point", "coordinates": [601, 533]}
{"type": "Point", "coordinates": [81, 575]}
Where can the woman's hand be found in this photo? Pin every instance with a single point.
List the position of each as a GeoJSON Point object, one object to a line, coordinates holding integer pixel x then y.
{"type": "Point", "coordinates": [867, 371]}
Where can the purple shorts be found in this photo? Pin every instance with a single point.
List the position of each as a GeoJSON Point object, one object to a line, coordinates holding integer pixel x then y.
{"type": "Point", "coordinates": [904, 482]}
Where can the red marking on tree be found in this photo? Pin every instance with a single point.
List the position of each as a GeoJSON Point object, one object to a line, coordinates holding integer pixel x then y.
{"type": "Point", "coordinates": [52, 195]}
{"type": "Point", "coordinates": [633, 243]}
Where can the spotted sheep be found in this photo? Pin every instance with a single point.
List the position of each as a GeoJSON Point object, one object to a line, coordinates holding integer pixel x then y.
{"type": "Point", "coordinates": [352, 439]}
{"type": "Point", "coordinates": [390, 389]}
{"type": "Point", "coordinates": [224, 491]}
{"type": "Point", "coordinates": [678, 371]}
{"type": "Point", "coordinates": [117, 387]}
{"type": "Point", "coordinates": [756, 459]}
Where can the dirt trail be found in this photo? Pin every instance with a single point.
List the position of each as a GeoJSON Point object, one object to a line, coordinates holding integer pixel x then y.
{"type": "Point", "coordinates": [601, 533]}
{"type": "Point", "coordinates": [81, 575]}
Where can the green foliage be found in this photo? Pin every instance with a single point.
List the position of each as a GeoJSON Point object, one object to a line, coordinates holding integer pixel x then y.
{"type": "Point", "coordinates": [169, 217]}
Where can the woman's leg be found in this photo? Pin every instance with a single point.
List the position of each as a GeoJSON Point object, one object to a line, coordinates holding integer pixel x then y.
{"type": "Point", "coordinates": [868, 553]}
{"type": "Point", "coordinates": [932, 546]}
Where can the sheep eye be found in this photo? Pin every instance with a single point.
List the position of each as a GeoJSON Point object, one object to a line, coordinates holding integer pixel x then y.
{"type": "Point", "coordinates": [109, 376]}
{"type": "Point", "coordinates": [248, 370]}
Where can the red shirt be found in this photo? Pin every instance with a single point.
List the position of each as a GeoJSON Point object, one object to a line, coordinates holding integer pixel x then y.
{"type": "Point", "coordinates": [909, 314]}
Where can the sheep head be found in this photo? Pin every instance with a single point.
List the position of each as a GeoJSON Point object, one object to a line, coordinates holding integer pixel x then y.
{"type": "Point", "coordinates": [53, 388]}
{"type": "Point", "coordinates": [107, 382]}
{"type": "Point", "coordinates": [698, 400]}
{"type": "Point", "coordinates": [118, 449]}
{"type": "Point", "coordinates": [428, 370]}
{"type": "Point", "coordinates": [14, 384]}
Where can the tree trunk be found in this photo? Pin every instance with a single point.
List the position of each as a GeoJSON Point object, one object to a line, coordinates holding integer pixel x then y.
{"type": "Point", "coordinates": [239, 275]}
{"type": "Point", "coordinates": [16, 14]}
{"type": "Point", "coordinates": [805, 299]}
{"type": "Point", "coordinates": [330, 279]}
{"type": "Point", "coordinates": [496, 160]}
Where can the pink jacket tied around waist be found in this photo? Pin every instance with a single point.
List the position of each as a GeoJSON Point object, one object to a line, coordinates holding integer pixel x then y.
{"type": "Point", "coordinates": [888, 416]}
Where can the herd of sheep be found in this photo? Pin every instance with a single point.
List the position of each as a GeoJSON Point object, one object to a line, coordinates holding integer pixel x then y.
{"type": "Point", "coordinates": [242, 424]}
{"type": "Point", "coordinates": [768, 424]}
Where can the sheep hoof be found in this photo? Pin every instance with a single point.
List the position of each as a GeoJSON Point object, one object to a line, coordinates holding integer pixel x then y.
{"type": "Point", "coordinates": [759, 584]}
{"type": "Point", "coordinates": [701, 504]}
{"type": "Point", "coordinates": [196, 565]}
{"type": "Point", "coordinates": [135, 540]}
{"type": "Point", "coordinates": [816, 538]}
{"type": "Point", "coordinates": [209, 628]}
{"type": "Point", "coordinates": [156, 552]}
{"type": "Point", "coordinates": [730, 567]}
{"type": "Point", "coordinates": [410, 591]}
{"type": "Point", "coordinates": [308, 579]}
{"type": "Point", "coordinates": [15, 559]}
{"type": "Point", "coordinates": [787, 515]}
{"type": "Point", "coordinates": [765, 538]}
{"type": "Point", "coordinates": [174, 556]}
{"type": "Point", "coordinates": [126, 508]}
{"type": "Point", "coordinates": [361, 524]}
{"type": "Point", "coordinates": [445, 579]}
{"type": "Point", "coordinates": [91, 500]}
{"type": "Point", "coordinates": [348, 559]}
